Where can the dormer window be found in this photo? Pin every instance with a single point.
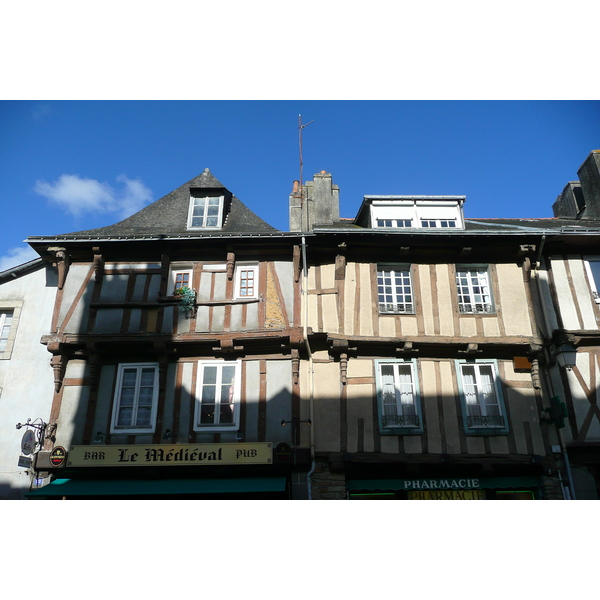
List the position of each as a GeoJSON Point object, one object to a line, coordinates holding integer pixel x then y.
{"type": "Point", "coordinates": [205, 213]}
{"type": "Point", "coordinates": [412, 212]}
{"type": "Point", "coordinates": [435, 223]}
{"type": "Point", "coordinates": [394, 222]}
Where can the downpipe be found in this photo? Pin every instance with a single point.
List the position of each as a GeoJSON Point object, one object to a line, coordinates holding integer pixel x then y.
{"type": "Point", "coordinates": [310, 369]}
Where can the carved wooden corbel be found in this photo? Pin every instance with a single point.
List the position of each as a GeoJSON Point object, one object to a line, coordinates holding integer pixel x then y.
{"type": "Point", "coordinates": [340, 267]}
{"type": "Point", "coordinates": [535, 374]}
{"type": "Point", "coordinates": [95, 368]}
{"type": "Point", "coordinates": [58, 366]}
{"type": "Point", "coordinates": [61, 262]}
{"type": "Point", "coordinates": [230, 265]}
{"type": "Point", "coordinates": [295, 366]}
{"type": "Point", "coordinates": [98, 264]}
{"type": "Point", "coordinates": [344, 368]}
{"type": "Point", "coordinates": [296, 258]}
{"type": "Point", "coordinates": [526, 266]}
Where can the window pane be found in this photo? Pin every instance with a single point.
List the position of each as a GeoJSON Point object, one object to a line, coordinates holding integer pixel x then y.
{"type": "Point", "coordinates": [147, 377]}
{"type": "Point", "coordinates": [208, 393]}
{"type": "Point", "coordinates": [146, 395]}
{"type": "Point", "coordinates": [207, 415]}
{"type": "Point", "coordinates": [144, 416]}
{"type": "Point", "coordinates": [124, 418]}
{"type": "Point", "coordinates": [210, 375]}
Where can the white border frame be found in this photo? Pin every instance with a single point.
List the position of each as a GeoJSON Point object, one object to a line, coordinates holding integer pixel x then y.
{"type": "Point", "coordinates": [191, 210]}
{"type": "Point", "coordinates": [237, 278]}
{"type": "Point", "coordinates": [117, 397]}
{"type": "Point", "coordinates": [236, 396]}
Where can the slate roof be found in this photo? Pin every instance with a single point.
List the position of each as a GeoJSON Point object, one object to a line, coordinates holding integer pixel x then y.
{"type": "Point", "coordinates": [168, 216]}
{"type": "Point", "coordinates": [480, 226]}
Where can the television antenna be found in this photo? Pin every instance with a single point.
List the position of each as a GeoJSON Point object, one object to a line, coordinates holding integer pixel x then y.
{"type": "Point", "coordinates": [300, 128]}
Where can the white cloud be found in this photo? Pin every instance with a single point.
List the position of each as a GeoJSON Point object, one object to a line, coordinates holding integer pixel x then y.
{"type": "Point", "coordinates": [17, 256]}
{"type": "Point", "coordinates": [78, 195]}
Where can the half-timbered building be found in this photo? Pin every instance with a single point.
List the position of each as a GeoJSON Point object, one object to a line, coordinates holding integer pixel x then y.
{"type": "Point", "coordinates": [427, 363]}
{"type": "Point", "coordinates": [572, 308]}
{"type": "Point", "coordinates": [174, 342]}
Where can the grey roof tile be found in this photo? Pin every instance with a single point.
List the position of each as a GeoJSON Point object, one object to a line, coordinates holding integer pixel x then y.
{"type": "Point", "coordinates": [168, 215]}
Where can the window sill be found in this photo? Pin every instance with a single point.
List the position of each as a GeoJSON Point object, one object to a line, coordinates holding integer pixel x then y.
{"type": "Point", "coordinates": [132, 431]}
{"type": "Point", "coordinates": [401, 431]}
{"type": "Point", "coordinates": [217, 429]}
{"type": "Point", "coordinates": [486, 431]}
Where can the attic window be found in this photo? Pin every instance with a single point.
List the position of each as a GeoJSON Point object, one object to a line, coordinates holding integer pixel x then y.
{"type": "Point", "coordinates": [394, 222]}
{"type": "Point", "coordinates": [205, 213]}
{"type": "Point", "coordinates": [435, 223]}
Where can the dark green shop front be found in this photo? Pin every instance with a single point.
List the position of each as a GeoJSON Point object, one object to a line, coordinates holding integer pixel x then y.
{"type": "Point", "coordinates": [464, 488]}
{"type": "Point", "coordinates": [242, 488]}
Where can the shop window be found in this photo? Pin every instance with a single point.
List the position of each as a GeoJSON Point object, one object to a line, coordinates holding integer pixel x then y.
{"type": "Point", "coordinates": [481, 397]}
{"type": "Point", "coordinates": [398, 397]}
{"type": "Point", "coordinates": [394, 289]}
{"type": "Point", "coordinates": [246, 281]}
{"type": "Point", "coordinates": [136, 398]}
{"type": "Point", "coordinates": [473, 289]}
{"type": "Point", "coordinates": [217, 396]}
{"type": "Point", "coordinates": [205, 213]}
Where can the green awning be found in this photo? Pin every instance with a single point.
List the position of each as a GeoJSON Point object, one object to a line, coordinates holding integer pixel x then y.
{"type": "Point", "coordinates": [382, 485]}
{"type": "Point", "coordinates": [153, 487]}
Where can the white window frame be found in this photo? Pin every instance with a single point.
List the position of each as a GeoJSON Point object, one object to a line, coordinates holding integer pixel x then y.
{"type": "Point", "coordinates": [216, 426]}
{"type": "Point", "coordinates": [240, 269]}
{"type": "Point", "coordinates": [472, 306]}
{"type": "Point", "coordinates": [480, 416]}
{"type": "Point", "coordinates": [5, 314]}
{"type": "Point", "coordinates": [132, 427]}
{"type": "Point", "coordinates": [394, 223]}
{"type": "Point", "coordinates": [206, 199]}
{"type": "Point", "coordinates": [439, 223]}
{"type": "Point", "coordinates": [6, 306]}
{"type": "Point", "coordinates": [175, 271]}
{"type": "Point", "coordinates": [395, 307]}
{"type": "Point", "coordinates": [594, 286]}
{"type": "Point", "coordinates": [398, 400]}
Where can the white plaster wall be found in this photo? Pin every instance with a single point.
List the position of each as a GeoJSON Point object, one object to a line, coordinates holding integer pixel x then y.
{"type": "Point", "coordinates": [26, 379]}
{"type": "Point", "coordinates": [513, 299]}
{"type": "Point", "coordinates": [583, 292]}
{"type": "Point", "coordinates": [565, 297]}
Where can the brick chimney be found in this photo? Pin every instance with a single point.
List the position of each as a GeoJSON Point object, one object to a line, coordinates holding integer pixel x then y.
{"type": "Point", "coordinates": [315, 203]}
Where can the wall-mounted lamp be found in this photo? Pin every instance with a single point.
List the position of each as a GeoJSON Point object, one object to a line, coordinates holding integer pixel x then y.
{"type": "Point", "coordinates": [168, 435]}
{"type": "Point", "coordinates": [566, 356]}
{"type": "Point", "coordinates": [100, 437]}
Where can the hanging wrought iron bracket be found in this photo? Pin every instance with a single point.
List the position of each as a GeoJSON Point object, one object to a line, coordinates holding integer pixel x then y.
{"type": "Point", "coordinates": [39, 427]}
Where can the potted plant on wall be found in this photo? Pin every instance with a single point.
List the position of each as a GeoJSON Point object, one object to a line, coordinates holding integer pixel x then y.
{"type": "Point", "coordinates": [187, 298]}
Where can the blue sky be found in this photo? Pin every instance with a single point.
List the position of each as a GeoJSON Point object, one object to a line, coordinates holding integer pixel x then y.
{"type": "Point", "coordinates": [72, 165]}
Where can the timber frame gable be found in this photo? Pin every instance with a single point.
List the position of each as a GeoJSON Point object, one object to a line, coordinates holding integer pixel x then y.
{"type": "Point", "coordinates": [153, 299]}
